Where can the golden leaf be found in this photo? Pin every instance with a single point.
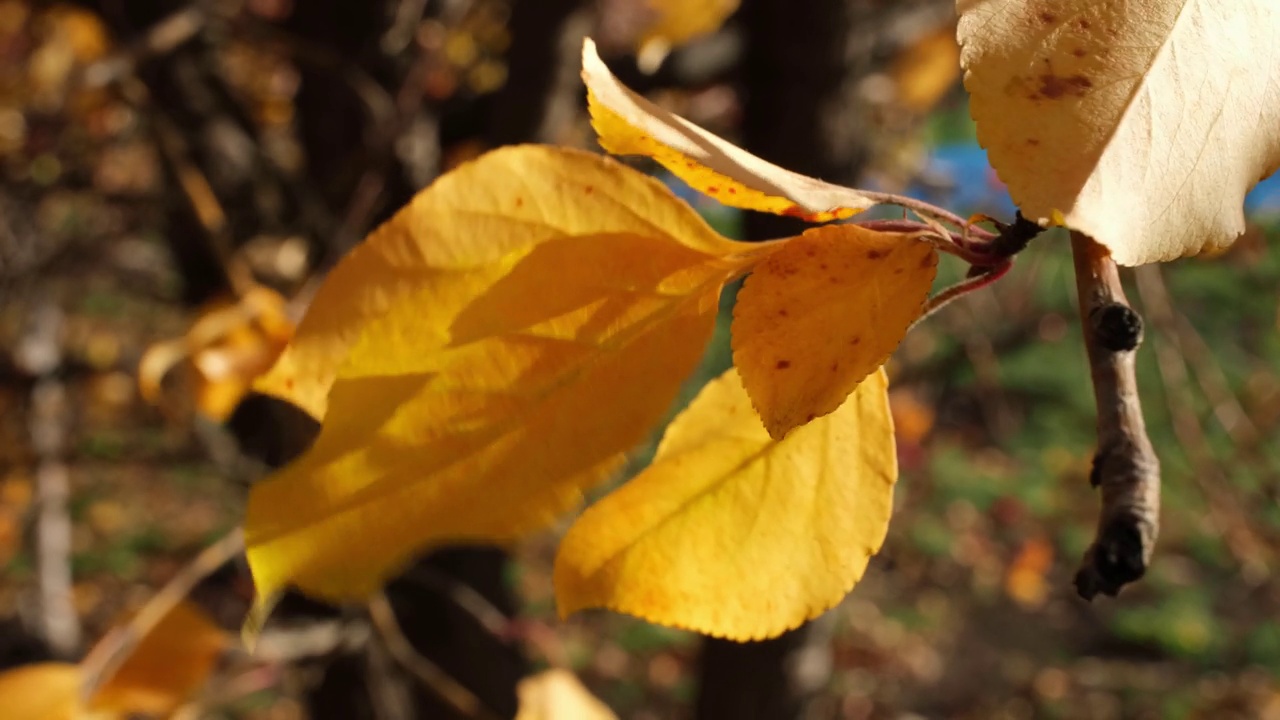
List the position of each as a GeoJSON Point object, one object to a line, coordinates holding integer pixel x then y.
{"type": "Point", "coordinates": [230, 343]}
{"type": "Point", "coordinates": [44, 691]}
{"type": "Point", "coordinates": [451, 242]}
{"type": "Point", "coordinates": [628, 124]}
{"type": "Point", "coordinates": [167, 668]}
{"type": "Point", "coordinates": [679, 21]}
{"type": "Point", "coordinates": [821, 313]}
{"type": "Point", "coordinates": [1142, 124]}
{"type": "Point", "coordinates": [732, 533]}
{"type": "Point", "coordinates": [521, 325]}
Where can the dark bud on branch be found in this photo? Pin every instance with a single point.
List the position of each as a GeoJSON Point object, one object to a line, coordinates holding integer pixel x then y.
{"type": "Point", "coordinates": [1116, 327]}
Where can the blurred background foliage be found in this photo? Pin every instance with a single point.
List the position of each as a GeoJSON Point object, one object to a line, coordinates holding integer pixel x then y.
{"type": "Point", "coordinates": [123, 222]}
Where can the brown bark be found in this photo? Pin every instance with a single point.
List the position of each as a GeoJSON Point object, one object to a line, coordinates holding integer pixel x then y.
{"type": "Point", "coordinates": [1125, 468]}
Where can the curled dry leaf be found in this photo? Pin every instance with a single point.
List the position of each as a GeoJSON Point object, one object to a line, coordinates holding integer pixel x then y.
{"type": "Point", "coordinates": [511, 334]}
{"type": "Point", "coordinates": [823, 312]}
{"type": "Point", "coordinates": [628, 124]}
{"type": "Point", "coordinates": [1140, 123]}
{"type": "Point", "coordinates": [230, 343]}
{"type": "Point", "coordinates": [733, 533]}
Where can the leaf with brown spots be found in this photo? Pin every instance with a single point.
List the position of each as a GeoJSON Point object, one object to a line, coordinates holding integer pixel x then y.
{"type": "Point", "coordinates": [631, 125]}
{"type": "Point", "coordinates": [823, 312]}
{"type": "Point", "coordinates": [1142, 124]}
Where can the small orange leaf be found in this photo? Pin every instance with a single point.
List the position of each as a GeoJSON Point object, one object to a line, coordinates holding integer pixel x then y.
{"type": "Point", "coordinates": [628, 124]}
{"type": "Point", "coordinates": [229, 344]}
{"type": "Point", "coordinates": [818, 315]}
{"type": "Point", "coordinates": [165, 670]}
{"type": "Point", "coordinates": [1025, 581]}
{"type": "Point", "coordinates": [732, 533]}
{"type": "Point", "coordinates": [168, 666]}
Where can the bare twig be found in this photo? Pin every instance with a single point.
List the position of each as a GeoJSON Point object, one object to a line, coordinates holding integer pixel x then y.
{"type": "Point", "coordinates": [40, 354]}
{"type": "Point", "coordinates": [1125, 467]}
{"type": "Point", "coordinates": [427, 672]}
{"type": "Point", "coordinates": [111, 652]}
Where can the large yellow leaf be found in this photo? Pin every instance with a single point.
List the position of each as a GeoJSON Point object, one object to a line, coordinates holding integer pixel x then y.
{"type": "Point", "coordinates": [456, 237]}
{"type": "Point", "coordinates": [479, 404]}
{"type": "Point", "coordinates": [735, 534]}
{"type": "Point", "coordinates": [821, 313]}
{"type": "Point", "coordinates": [628, 124]}
{"type": "Point", "coordinates": [1142, 123]}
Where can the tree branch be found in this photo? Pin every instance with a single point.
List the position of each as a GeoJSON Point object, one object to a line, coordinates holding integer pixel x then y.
{"type": "Point", "coordinates": [1125, 467]}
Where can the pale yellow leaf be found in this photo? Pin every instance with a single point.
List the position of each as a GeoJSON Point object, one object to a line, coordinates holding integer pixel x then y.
{"type": "Point", "coordinates": [45, 691]}
{"type": "Point", "coordinates": [628, 124]}
{"type": "Point", "coordinates": [1142, 123]}
{"type": "Point", "coordinates": [821, 313]}
{"type": "Point", "coordinates": [732, 533]}
{"type": "Point", "coordinates": [486, 395]}
{"type": "Point", "coordinates": [557, 694]}
{"type": "Point", "coordinates": [453, 239]}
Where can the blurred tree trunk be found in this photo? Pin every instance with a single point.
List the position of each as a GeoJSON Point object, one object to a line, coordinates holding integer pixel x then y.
{"type": "Point", "coordinates": [802, 64]}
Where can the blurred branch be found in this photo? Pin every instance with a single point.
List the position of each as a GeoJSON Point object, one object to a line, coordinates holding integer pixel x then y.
{"type": "Point", "coordinates": [160, 39]}
{"type": "Point", "coordinates": [108, 655]}
{"type": "Point", "coordinates": [1225, 513]}
{"type": "Point", "coordinates": [1125, 467]}
{"type": "Point", "coordinates": [39, 353]}
{"type": "Point", "coordinates": [426, 671]}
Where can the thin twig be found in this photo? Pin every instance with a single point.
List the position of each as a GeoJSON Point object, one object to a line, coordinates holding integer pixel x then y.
{"type": "Point", "coordinates": [1125, 467]}
{"type": "Point", "coordinates": [107, 656]}
{"type": "Point", "coordinates": [427, 672]}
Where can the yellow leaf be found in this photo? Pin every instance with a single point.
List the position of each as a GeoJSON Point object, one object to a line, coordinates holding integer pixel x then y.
{"type": "Point", "coordinates": [1143, 123]}
{"type": "Point", "coordinates": [451, 242]}
{"type": "Point", "coordinates": [678, 21]}
{"type": "Point", "coordinates": [45, 691]}
{"type": "Point", "coordinates": [558, 695]}
{"type": "Point", "coordinates": [167, 668]}
{"type": "Point", "coordinates": [926, 71]}
{"type": "Point", "coordinates": [230, 343]}
{"type": "Point", "coordinates": [732, 533]}
{"type": "Point", "coordinates": [821, 313]}
{"type": "Point", "coordinates": [488, 394]}
{"type": "Point", "coordinates": [628, 124]}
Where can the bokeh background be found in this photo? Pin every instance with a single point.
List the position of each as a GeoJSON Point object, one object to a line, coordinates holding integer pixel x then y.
{"type": "Point", "coordinates": [162, 162]}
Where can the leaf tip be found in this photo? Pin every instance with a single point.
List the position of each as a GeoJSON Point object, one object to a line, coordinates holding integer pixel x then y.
{"type": "Point", "coordinates": [251, 630]}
